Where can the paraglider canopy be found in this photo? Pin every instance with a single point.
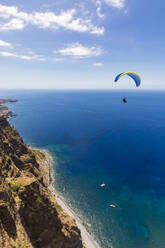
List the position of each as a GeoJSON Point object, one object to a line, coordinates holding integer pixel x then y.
{"type": "Point", "coordinates": [133, 75]}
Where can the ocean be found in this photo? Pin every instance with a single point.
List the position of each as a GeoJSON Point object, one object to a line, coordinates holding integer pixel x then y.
{"type": "Point", "coordinates": [95, 138]}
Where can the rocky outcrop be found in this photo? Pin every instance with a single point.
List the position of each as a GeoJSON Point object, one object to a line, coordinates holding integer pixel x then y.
{"type": "Point", "coordinates": [29, 213]}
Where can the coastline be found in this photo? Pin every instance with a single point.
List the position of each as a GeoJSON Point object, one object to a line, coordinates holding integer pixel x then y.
{"type": "Point", "coordinates": [4, 110]}
{"type": "Point", "coordinates": [86, 236]}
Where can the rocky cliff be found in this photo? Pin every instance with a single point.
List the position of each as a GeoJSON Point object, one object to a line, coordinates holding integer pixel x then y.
{"type": "Point", "coordinates": [29, 213]}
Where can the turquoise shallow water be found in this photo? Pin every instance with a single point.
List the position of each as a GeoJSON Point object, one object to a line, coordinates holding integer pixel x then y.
{"type": "Point", "coordinates": [95, 138]}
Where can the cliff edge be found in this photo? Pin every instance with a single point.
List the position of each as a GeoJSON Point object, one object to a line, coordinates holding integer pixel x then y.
{"type": "Point", "coordinates": [29, 213]}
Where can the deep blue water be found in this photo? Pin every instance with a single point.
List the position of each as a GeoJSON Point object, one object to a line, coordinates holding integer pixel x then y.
{"type": "Point", "coordinates": [95, 138]}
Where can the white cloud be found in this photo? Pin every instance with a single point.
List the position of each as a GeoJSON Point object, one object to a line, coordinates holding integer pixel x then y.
{"type": "Point", "coordinates": [22, 56]}
{"type": "Point", "coordinates": [5, 44]}
{"type": "Point", "coordinates": [115, 3]}
{"type": "Point", "coordinates": [79, 51]}
{"type": "Point", "coordinates": [67, 19]}
{"type": "Point", "coordinates": [7, 11]}
{"type": "Point", "coordinates": [7, 54]}
{"type": "Point", "coordinates": [13, 24]}
{"type": "Point", "coordinates": [98, 9]}
{"type": "Point", "coordinates": [98, 64]}
{"type": "Point", "coordinates": [81, 25]}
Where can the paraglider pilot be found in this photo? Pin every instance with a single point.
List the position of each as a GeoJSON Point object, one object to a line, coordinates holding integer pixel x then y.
{"type": "Point", "coordinates": [124, 100]}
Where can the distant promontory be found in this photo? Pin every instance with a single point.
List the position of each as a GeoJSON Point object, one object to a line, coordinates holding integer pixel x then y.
{"type": "Point", "coordinates": [4, 110]}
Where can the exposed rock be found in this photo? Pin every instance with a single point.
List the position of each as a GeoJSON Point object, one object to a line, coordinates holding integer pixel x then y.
{"type": "Point", "coordinates": [29, 214]}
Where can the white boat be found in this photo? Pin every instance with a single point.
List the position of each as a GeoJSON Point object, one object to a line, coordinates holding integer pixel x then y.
{"type": "Point", "coordinates": [102, 185]}
{"type": "Point", "coordinates": [112, 206]}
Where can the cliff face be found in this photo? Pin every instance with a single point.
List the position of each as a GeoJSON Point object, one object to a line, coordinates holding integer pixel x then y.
{"type": "Point", "coordinates": [29, 214]}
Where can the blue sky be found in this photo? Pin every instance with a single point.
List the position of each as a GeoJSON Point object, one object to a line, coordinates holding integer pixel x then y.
{"type": "Point", "coordinates": [83, 44]}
